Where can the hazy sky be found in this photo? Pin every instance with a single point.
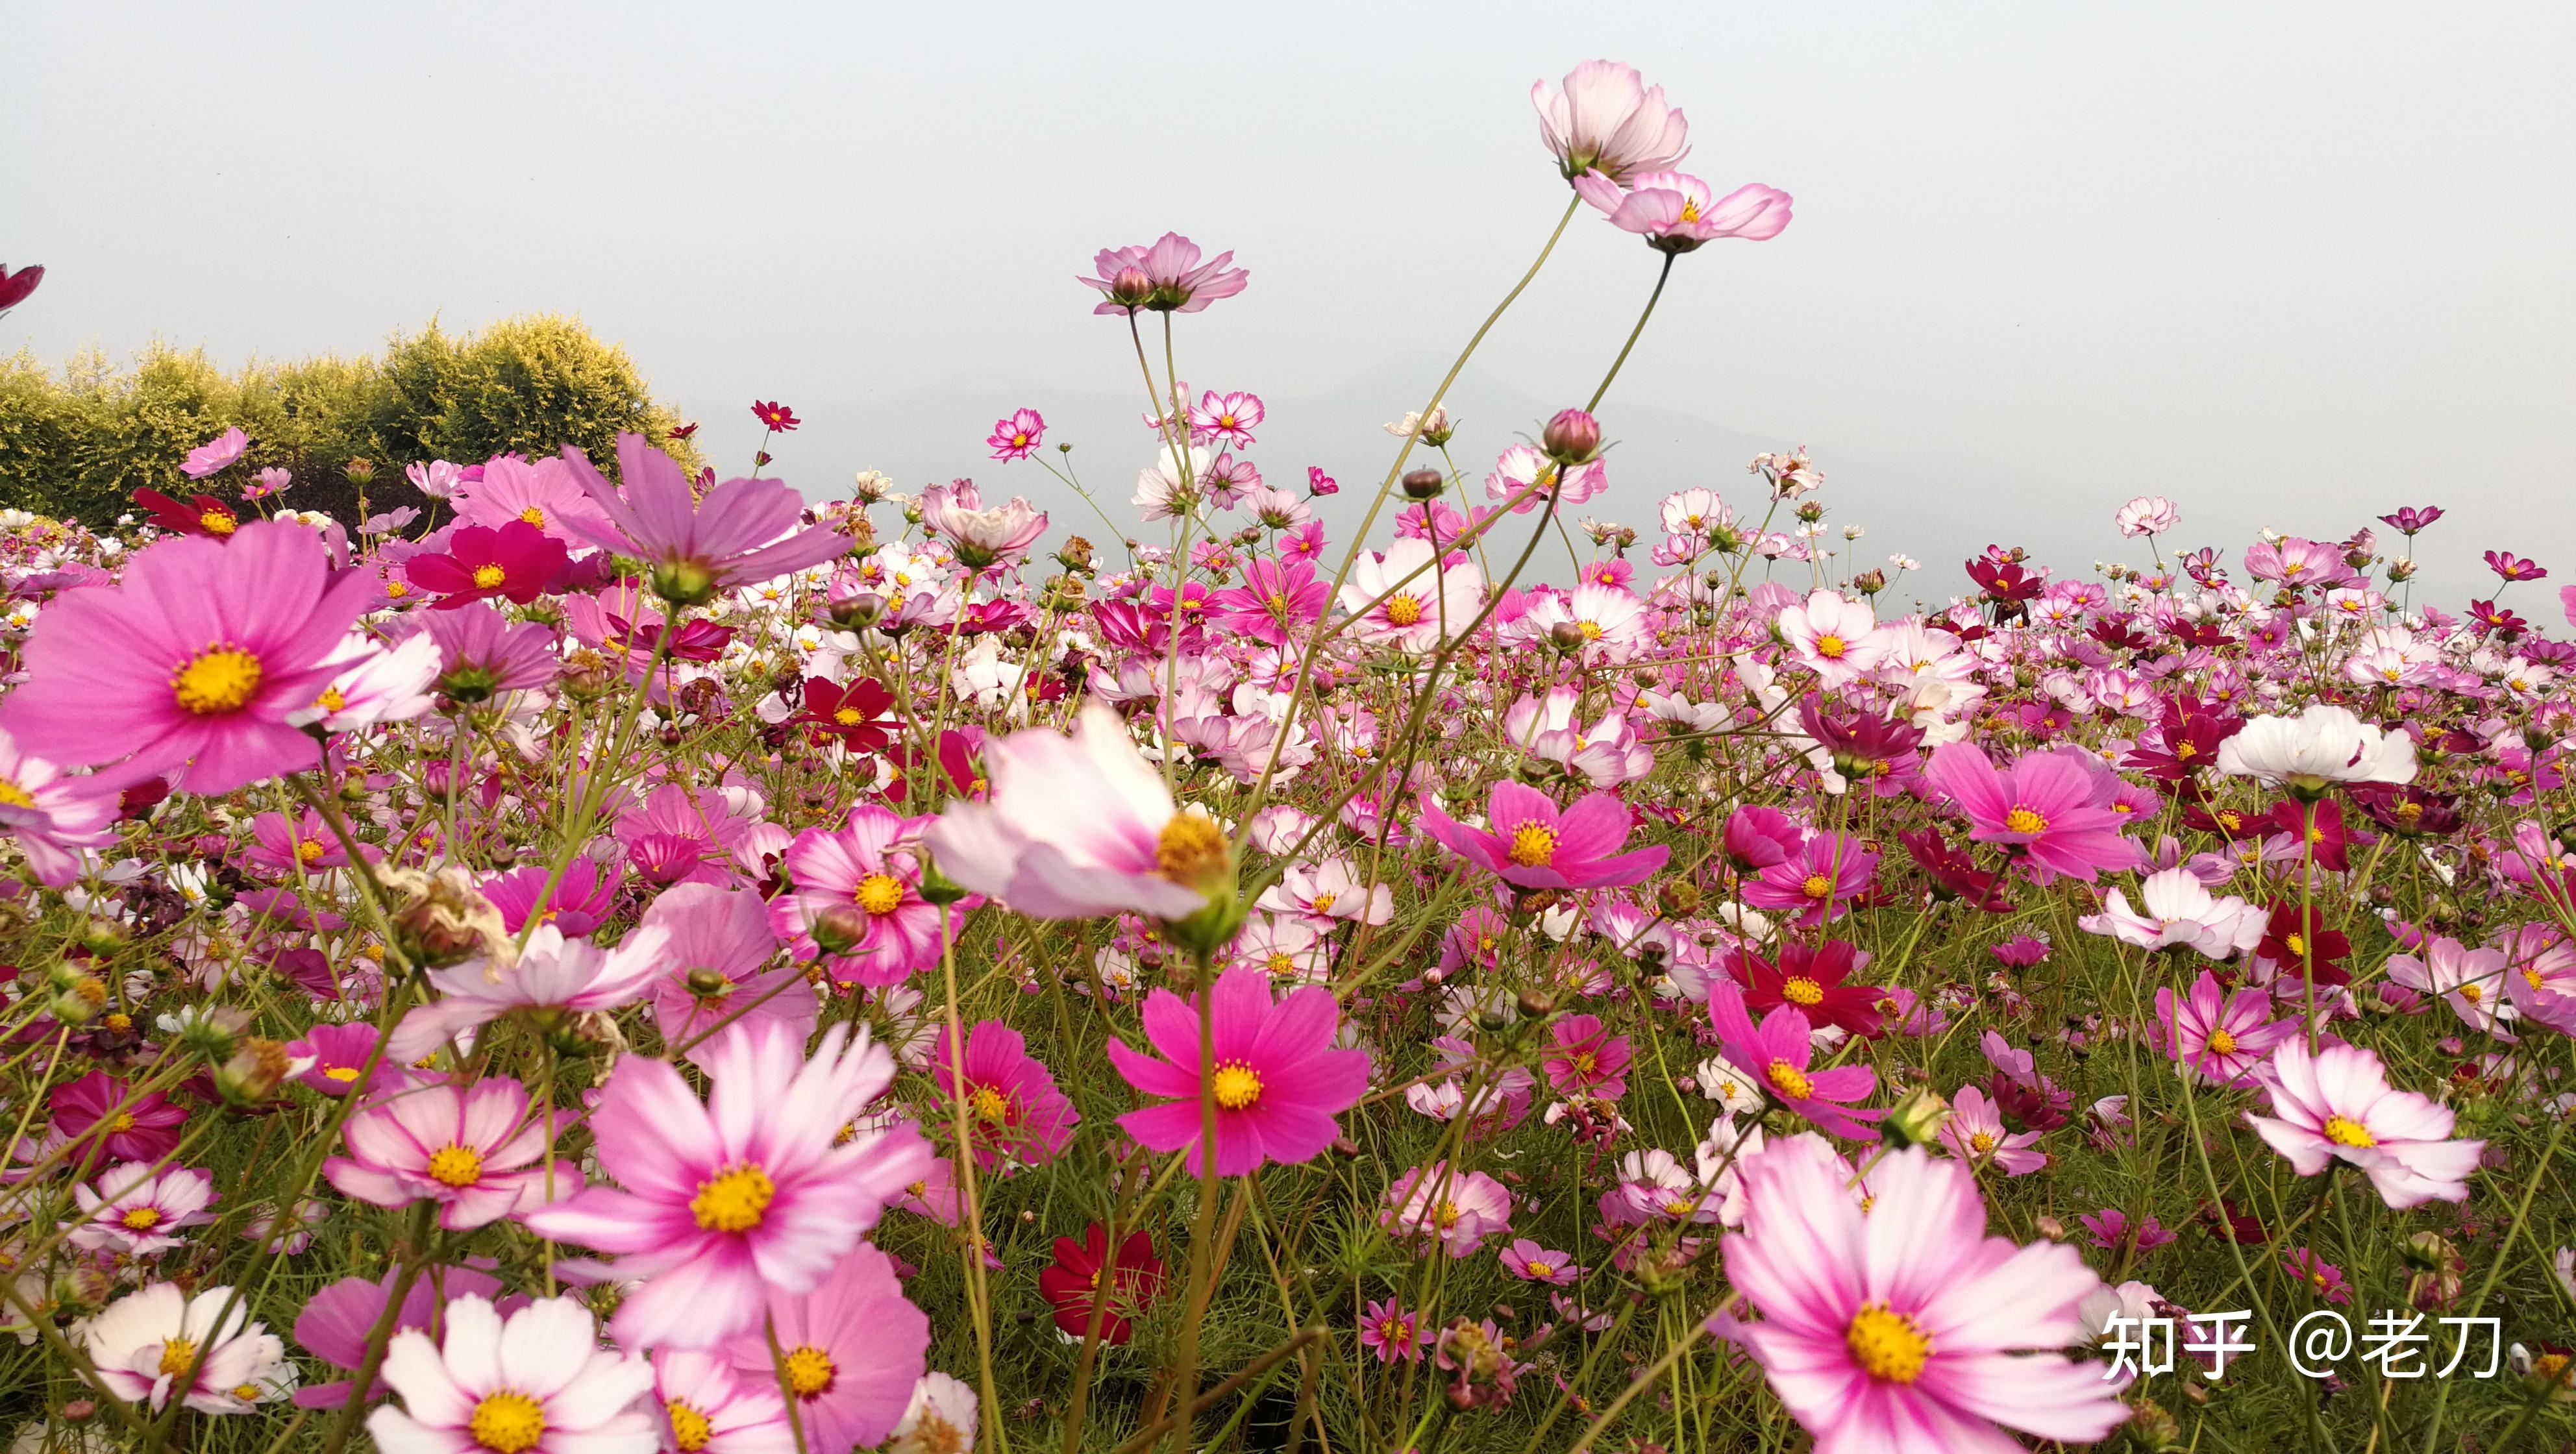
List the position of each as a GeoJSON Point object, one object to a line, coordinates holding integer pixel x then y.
{"type": "Point", "coordinates": [2292, 265]}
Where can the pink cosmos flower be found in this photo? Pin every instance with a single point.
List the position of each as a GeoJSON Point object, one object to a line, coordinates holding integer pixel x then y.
{"type": "Point", "coordinates": [340, 1054]}
{"type": "Point", "coordinates": [2147, 515]}
{"type": "Point", "coordinates": [1014, 1111]}
{"type": "Point", "coordinates": [851, 1350]}
{"type": "Point", "coordinates": [1018, 436]}
{"type": "Point", "coordinates": [1837, 638]}
{"type": "Point", "coordinates": [337, 1321]}
{"type": "Point", "coordinates": [2337, 1105]}
{"type": "Point", "coordinates": [145, 1130]}
{"type": "Point", "coordinates": [1676, 212]}
{"type": "Point", "coordinates": [1818, 882]}
{"type": "Point", "coordinates": [1273, 601]}
{"type": "Point", "coordinates": [540, 494]}
{"type": "Point", "coordinates": [475, 1150]}
{"type": "Point", "coordinates": [483, 653]}
{"type": "Point", "coordinates": [709, 1405]}
{"type": "Point", "coordinates": [755, 1190]}
{"type": "Point", "coordinates": [538, 1383]}
{"type": "Point", "coordinates": [1278, 1084]}
{"type": "Point", "coordinates": [2296, 562]}
{"type": "Point", "coordinates": [982, 536]}
{"type": "Point", "coordinates": [1975, 1134]}
{"type": "Point", "coordinates": [1608, 119]}
{"type": "Point", "coordinates": [1528, 842]}
{"type": "Point", "coordinates": [518, 562]}
{"type": "Point", "coordinates": [1165, 277]}
{"type": "Point", "coordinates": [2044, 809]}
{"type": "Point", "coordinates": [1525, 476]}
{"type": "Point", "coordinates": [712, 977]}
{"type": "Point", "coordinates": [554, 979]}
{"type": "Point", "coordinates": [1080, 826]}
{"type": "Point", "coordinates": [581, 901]}
{"type": "Point", "coordinates": [1402, 600]}
{"type": "Point", "coordinates": [1584, 1058]}
{"type": "Point", "coordinates": [1778, 1056]}
{"type": "Point", "coordinates": [1530, 1262]}
{"type": "Point", "coordinates": [144, 1342]}
{"type": "Point", "coordinates": [1460, 1208]}
{"type": "Point", "coordinates": [1391, 1333]}
{"type": "Point", "coordinates": [855, 901]}
{"type": "Point", "coordinates": [1230, 417]}
{"type": "Point", "coordinates": [742, 533]}
{"type": "Point", "coordinates": [196, 656]}
{"type": "Point", "coordinates": [133, 1210]}
{"type": "Point", "coordinates": [2471, 981]}
{"type": "Point", "coordinates": [215, 455]}
{"type": "Point", "coordinates": [1900, 1327]}
{"type": "Point", "coordinates": [2222, 1036]}
{"type": "Point", "coordinates": [53, 815]}
{"type": "Point", "coordinates": [2179, 909]}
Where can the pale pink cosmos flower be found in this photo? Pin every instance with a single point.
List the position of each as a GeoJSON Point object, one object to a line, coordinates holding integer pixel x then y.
{"type": "Point", "coordinates": [338, 1320]}
{"type": "Point", "coordinates": [1837, 638]}
{"type": "Point", "coordinates": [146, 1341]}
{"type": "Point", "coordinates": [2223, 1037]}
{"type": "Point", "coordinates": [1904, 1326]}
{"type": "Point", "coordinates": [475, 1150]}
{"type": "Point", "coordinates": [981, 535]}
{"type": "Point", "coordinates": [756, 1189]}
{"type": "Point", "coordinates": [55, 816]}
{"type": "Point", "coordinates": [1459, 1208]}
{"type": "Point", "coordinates": [1524, 475]}
{"type": "Point", "coordinates": [1423, 604]}
{"type": "Point", "coordinates": [1975, 1133]}
{"type": "Point", "coordinates": [2177, 908]}
{"type": "Point", "coordinates": [851, 1349]}
{"type": "Point", "coordinates": [538, 1383]}
{"type": "Point", "coordinates": [554, 979]}
{"type": "Point", "coordinates": [709, 1406]}
{"type": "Point", "coordinates": [543, 494]}
{"type": "Point", "coordinates": [134, 1211]}
{"type": "Point", "coordinates": [1606, 754]}
{"type": "Point", "coordinates": [1329, 894]}
{"type": "Point", "coordinates": [743, 532]}
{"type": "Point", "coordinates": [2471, 981]}
{"type": "Point", "coordinates": [215, 455]}
{"type": "Point", "coordinates": [2147, 515]}
{"type": "Point", "coordinates": [718, 941]}
{"type": "Point", "coordinates": [1279, 1080]}
{"type": "Point", "coordinates": [1607, 118]}
{"type": "Point", "coordinates": [2337, 1105]}
{"type": "Point", "coordinates": [1230, 417]}
{"type": "Point", "coordinates": [1164, 277]}
{"type": "Point", "coordinates": [1080, 826]}
{"type": "Point", "coordinates": [1677, 212]}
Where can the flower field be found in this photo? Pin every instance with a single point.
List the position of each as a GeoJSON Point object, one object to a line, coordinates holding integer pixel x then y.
{"type": "Point", "coordinates": [591, 958]}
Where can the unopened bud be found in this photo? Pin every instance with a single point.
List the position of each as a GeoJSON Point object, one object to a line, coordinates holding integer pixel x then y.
{"type": "Point", "coordinates": [1916, 1120]}
{"type": "Point", "coordinates": [1565, 636]}
{"type": "Point", "coordinates": [1572, 437]}
{"type": "Point", "coordinates": [841, 928]}
{"type": "Point", "coordinates": [1130, 287]}
{"type": "Point", "coordinates": [1536, 1006]}
{"type": "Point", "coordinates": [706, 983]}
{"type": "Point", "coordinates": [858, 612]}
{"type": "Point", "coordinates": [359, 472]}
{"type": "Point", "coordinates": [254, 1072]}
{"type": "Point", "coordinates": [683, 583]}
{"type": "Point", "coordinates": [1424, 484]}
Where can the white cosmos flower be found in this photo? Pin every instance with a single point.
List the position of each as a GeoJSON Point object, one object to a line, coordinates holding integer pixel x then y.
{"type": "Point", "coordinates": [2321, 745]}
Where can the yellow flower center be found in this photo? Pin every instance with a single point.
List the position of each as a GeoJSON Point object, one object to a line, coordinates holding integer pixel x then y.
{"type": "Point", "coordinates": [810, 1372]}
{"type": "Point", "coordinates": [1831, 646]}
{"type": "Point", "coordinates": [2296, 944]}
{"type": "Point", "coordinates": [2471, 993]}
{"type": "Point", "coordinates": [1790, 1081]}
{"type": "Point", "coordinates": [177, 1355]}
{"type": "Point", "coordinates": [219, 522]}
{"type": "Point", "coordinates": [1190, 850]}
{"type": "Point", "coordinates": [1981, 1142]}
{"type": "Point", "coordinates": [1591, 630]}
{"type": "Point", "coordinates": [2345, 1131]}
{"type": "Point", "coordinates": [488, 576]}
{"type": "Point", "coordinates": [1403, 610]}
{"type": "Point", "coordinates": [1797, 989]}
{"type": "Point", "coordinates": [15, 796]}
{"type": "Point", "coordinates": [1583, 1061]}
{"type": "Point", "coordinates": [1533, 845]}
{"type": "Point", "coordinates": [1817, 886]}
{"type": "Point", "coordinates": [120, 1123]}
{"type": "Point", "coordinates": [534, 516]}
{"type": "Point", "coordinates": [734, 1201]}
{"type": "Point", "coordinates": [689, 1429]}
{"type": "Point", "coordinates": [507, 1422]}
{"type": "Point", "coordinates": [341, 1073]}
{"type": "Point", "coordinates": [1887, 1345]}
{"type": "Point", "coordinates": [2221, 1043]}
{"type": "Point", "coordinates": [2023, 820]}
{"type": "Point", "coordinates": [142, 1219]}
{"type": "Point", "coordinates": [990, 1105]}
{"type": "Point", "coordinates": [1541, 1269]}
{"type": "Point", "coordinates": [1238, 1085]}
{"type": "Point", "coordinates": [848, 717]}
{"type": "Point", "coordinates": [248, 1392]}
{"type": "Point", "coordinates": [221, 679]}
{"type": "Point", "coordinates": [396, 590]}
{"type": "Point", "coordinates": [1690, 209]}
{"type": "Point", "coordinates": [2186, 751]}
{"type": "Point", "coordinates": [1324, 902]}
{"type": "Point", "coordinates": [454, 1165]}
{"type": "Point", "coordinates": [309, 851]}
{"type": "Point", "coordinates": [879, 893]}
{"type": "Point", "coordinates": [1282, 963]}
{"type": "Point", "coordinates": [1448, 1215]}
{"type": "Point", "coordinates": [331, 700]}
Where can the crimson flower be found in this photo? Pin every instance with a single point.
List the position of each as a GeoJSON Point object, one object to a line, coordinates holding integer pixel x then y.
{"type": "Point", "coordinates": [518, 561]}
{"type": "Point", "coordinates": [857, 713]}
{"type": "Point", "coordinates": [2413, 519]}
{"type": "Point", "coordinates": [684, 431]}
{"type": "Point", "coordinates": [2003, 580]}
{"type": "Point", "coordinates": [2513, 567]}
{"type": "Point", "coordinates": [1811, 980]}
{"type": "Point", "coordinates": [2411, 810]}
{"type": "Point", "coordinates": [1954, 871]}
{"type": "Point", "coordinates": [2297, 939]}
{"type": "Point", "coordinates": [14, 287]}
{"type": "Point", "coordinates": [2497, 620]}
{"type": "Point", "coordinates": [202, 515]}
{"type": "Point", "coordinates": [777, 418]}
{"type": "Point", "coordinates": [2326, 839]}
{"type": "Point", "coordinates": [1077, 1277]}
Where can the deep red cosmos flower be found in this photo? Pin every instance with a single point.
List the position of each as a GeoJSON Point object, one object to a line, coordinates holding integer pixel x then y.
{"type": "Point", "coordinates": [1076, 1279]}
{"type": "Point", "coordinates": [202, 515]}
{"type": "Point", "coordinates": [775, 417]}
{"type": "Point", "coordinates": [2327, 840]}
{"type": "Point", "coordinates": [2295, 939]}
{"type": "Point", "coordinates": [14, 287]}
{"type": "Point", "coordinates": [857, 713]}
{"type": "Point", "coordinates": [684, 431]}
{"type": "Point", "coordinates": [518, 561]}
{"type": "Point", "coordinates": [2001, 576]}
{"type": "Point", "coordinates": [1811, 979]}
{"type": "Point", "coordinates": [1954, 871]}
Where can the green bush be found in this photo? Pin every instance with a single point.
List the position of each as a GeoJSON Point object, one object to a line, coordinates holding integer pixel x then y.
{"type": "Point", "coordinates": [80, 442]}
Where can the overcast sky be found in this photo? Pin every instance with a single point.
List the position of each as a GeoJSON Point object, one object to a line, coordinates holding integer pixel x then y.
{"type": "Point", "coordinates": [2293, 265]}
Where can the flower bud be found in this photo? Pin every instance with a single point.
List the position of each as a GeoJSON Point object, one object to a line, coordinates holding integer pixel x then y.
{"type": "Point", "coordinates": [840, 928]}
{"type": "Point", "coordinates": [1565, 636]}
{"type": "Point", "coordinates": [445, 919]}
{"type": "Point", "coordinates": [1536, 1006]}
{"type": "Point", "coordinates": [706, 983]}
{"type": "Point", "coordinates": [360, 472]}
{"type": "Point", "coordinates": [1916, 1120]}
{"type": "Point", "coordinates": [858, 612]}
{"type": "Point", "coordinates": [683, 583]}
{"type": "Point", "coordinates": [1131, 287]}
{"type": "Point", "coordinates": [254, 1072]}
{"type": "Point", "coordinates": [1572, 437]}
{"type": "Point", "coordinates": [1678, 898]}
{"type": "Point", "coordinates": [1424, 484]}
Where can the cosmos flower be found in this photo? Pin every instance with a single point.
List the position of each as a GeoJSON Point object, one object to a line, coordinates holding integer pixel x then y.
{"type": "Point", "coordinates": [518, 562]}
{"type": "Point", "coordinates": [2337, 1105]}
{"type": "Point", "coordinates": [537, 1383]}
{"type": "Point", "coordinates": [1975, 1133]}
{"type": "Point", "coordinates": [850, 1349]}
{"type": "Point", "coordinates": [475, 1150]}
{"type": "Point", "coordinates": [1779, 1054]}
{"type": "Point", "coordinates": [128, 1127]}
{"type": "Point", "coordinates": [1391, 1333]}
{"type": "Point", "coordinates": [1584, 1058]}
{"type": "Point", "coordinates": [1074, 1283]}
{"type": "Point", "coordinates": [1018, 436]}
{"type": "Point", "coordinates": [2323, 744]}
{"type": "Point", "coordinates": [1608, 119]}
{"type": "Point", "coordinates": [133, 1210]}
{"type": "Point", "coordinates": [1422, 605]}
{"type": "Point", "coordinates": [981, 536]}
{"type": "Point", "coordinates": [2147, 515]}
{"type": "Point", "coordinates": [540, 494]}
{"type": "Point", "coordinates": [215, 455]}
{"type": "Point", "coordinates": [776, 418]}
{"type": "Point", "coordinates": [1165, 276]}
{"type": "Point", "coordinates": [554, 979]}
{"type": "Point", "coordinates": [762, 1189]}
{"type": "Point", "coordinates": [1676, 212]}
{"type": "Point", "coordinates": [1279, 1081]}
{"type": "Point", "coordinates": [55, 816]}
{"type": "Point", "coordinates": [338, 1320]}
{"type": "Point", "coordinates": [1813, 979]}
{"type": "Point", "coordinates": [1904, 1326]}
{"type": "Point", "coordinates": [709, 1405]}
{"type": "Point", "coordinates": [2178, 909]}
{"type": "Point", "coordinates": [1014, 1111]}
{"type": "Point", "coordinates": [2043, 809]}
{"type": "Point", "coordinates": [1524, 476]}
{"type": "Point", "coordinates": [146, 1341]}
{"type": "Point", "coordinates": [854, 903]}
{"type": "Point", "coordinates": [1456, 1207]}
{"type": "Point", "coordinates": [2471, 981]}
{"type": "Point", "coordinates": [1529, 842]}
{"type": "Point", "coordinates": [2223, 1037]}
{"type": "Point", "coordinates": [713, 969]}
{"type": "Point", "coordinates": [743, 531]}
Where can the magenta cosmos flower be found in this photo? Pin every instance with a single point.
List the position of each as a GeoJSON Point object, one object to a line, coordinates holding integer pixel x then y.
{"type": "Point", "coordinates": [538, 1383]}
{"type": "Point", "coordinates": [1676, 212]}
{"type": "Point", "coordinates": [1018, 436]}
{"type": "Point", "coordinates": [1080, 826]}
{"type": "Point", "coordinates": [742, 533]}
{"type": "Point", "coordinates": [2222, 1036]}
{"type": "Point", "coordinates": [2337, 1105]}
{"type": "Point", "coordinates": [1902, 1327]}
{"type": "Point", "coordinates": [337, 1321]}
{"type": "Point", "coordinates": [517, 561]}
{"type": "Point", "coordinates": [1607, 118]}
{"type": "Point", "coordinates": [1529, 843]}
{"type": "Point", "coordinates": [52, 814]}
{"type": "Point", "coordinates": [475, 1150]}
{"type": "Point", "coordinates": [2043, 809]}
{"type": "Point", "coordinates": [196, 657]}
{"type": "Point", "coordinates": [849, 1351]}
{"type": "Point", "coordinates": [1279, 1082]}
{"type": "Point", "coordinates": [1013, 1110]}
{"type": "Point", "coordinates": [1165, 277]}
{"type": "Point", "coordinates": [1778, 1056]}
{"type": "Point", "coordinates": [1585, 1059]}
{"type": "Point", "coordinates": [767, 1185]}
{"type": "Point", "coordinates": [855, 902]}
